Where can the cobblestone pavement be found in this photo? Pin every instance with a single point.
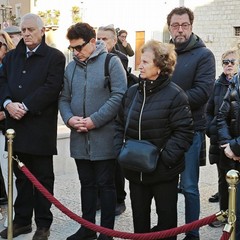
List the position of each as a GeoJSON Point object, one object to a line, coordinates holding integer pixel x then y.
{"type": "Point", "coordinates": [67, 192]}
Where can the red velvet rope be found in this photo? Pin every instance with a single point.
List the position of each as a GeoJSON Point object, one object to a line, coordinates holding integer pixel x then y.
{"type": "Point", "coordinates": [114, 233]}
{"type": "Point", "coordinates": [225, 236]}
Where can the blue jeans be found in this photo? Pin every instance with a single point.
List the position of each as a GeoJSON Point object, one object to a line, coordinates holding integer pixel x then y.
{"type": "Point", "coordinates": [189, 181]}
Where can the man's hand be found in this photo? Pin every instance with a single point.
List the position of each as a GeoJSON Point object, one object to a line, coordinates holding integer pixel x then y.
{"type": "Point", "coordinates": [81, 124]}
{"type": "Point", "coordinates": [16, 110]}
{"type": "Point", "coordinates": [229, 153]}
{"type": "Point", "coordinates": [78, 123]}
{"type": "Point", "coordinates": [89, 123]}
{"type": "Point", "coordinates": [2, 115]}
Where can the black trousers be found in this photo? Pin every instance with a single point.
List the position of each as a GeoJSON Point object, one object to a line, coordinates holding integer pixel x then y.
{"type": "Point", "coordinates": [222, 188]}
{"type": "Point", "coordinates": [94, 176]}
{"type": "Point", "coordinates": [2, 186]}
{"type": "Point", "coordinates": [29, 199]}
{"type": "Point", "coordinates": [120, 184]}
{"type": "Point", "coordinates": [165, 195]}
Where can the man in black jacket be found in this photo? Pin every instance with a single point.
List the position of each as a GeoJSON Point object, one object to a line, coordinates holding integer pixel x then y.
{"type": "Point", "coordinates": [31, 80]}
{"type": "Point", "coordinates": [194, 73]}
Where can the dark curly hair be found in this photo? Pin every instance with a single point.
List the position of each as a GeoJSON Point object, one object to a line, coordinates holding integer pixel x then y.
{"type": "Point", "coordinates": [81, 30]}
{"type": "Point", "coordinates": [181, 11]}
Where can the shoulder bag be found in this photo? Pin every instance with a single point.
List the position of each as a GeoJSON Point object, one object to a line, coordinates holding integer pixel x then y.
{"type": "Point", "coordinates": [136, 154]}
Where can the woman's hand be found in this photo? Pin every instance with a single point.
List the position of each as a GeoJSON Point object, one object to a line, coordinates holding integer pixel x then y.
{"type": "Point", "coordinates": [229, 153]}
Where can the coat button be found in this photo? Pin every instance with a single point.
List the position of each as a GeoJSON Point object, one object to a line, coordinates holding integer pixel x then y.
{"type": "Point", "coordinates": [24, 71]}
{"type": "Point", "coordinates": [20, 86]}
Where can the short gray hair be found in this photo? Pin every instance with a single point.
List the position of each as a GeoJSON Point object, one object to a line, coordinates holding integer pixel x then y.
{"type": "Point", "coordinates": [34, 17]}
{"type": "Point", "coordinates": [109, 28]}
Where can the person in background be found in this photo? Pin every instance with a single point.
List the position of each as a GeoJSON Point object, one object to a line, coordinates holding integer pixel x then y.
{"type": "Point", "coordinates": [88, 107]}
{"type": "Point", "coordinates": [195, 74]}
{"type": "Point", "coordinates": [6, 45]}
{"type": "Point", "coordinates": [228, 124]}
{"type": "Point", "coordinates": [30, 82]}
{"type": "Point", "coordinates": [109, 36]}
{"type": "Point", "coordinates": [230, 65]}
{"type": "Point", "coordinates": [122, 44]}
{"type": "Point", "coordinates": [15, 33]}
{"type": "Point", "coordinates": [166, 121]}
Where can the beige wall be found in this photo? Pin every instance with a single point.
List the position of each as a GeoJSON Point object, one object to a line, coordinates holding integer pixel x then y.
{"type": "Point", "coordinates": [215, 23]}
{"type": "Point", "coordinates": [25, 5]}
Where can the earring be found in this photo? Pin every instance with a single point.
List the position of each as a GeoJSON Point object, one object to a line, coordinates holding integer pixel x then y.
{"type": "Point", "coordinates": [158, 72]}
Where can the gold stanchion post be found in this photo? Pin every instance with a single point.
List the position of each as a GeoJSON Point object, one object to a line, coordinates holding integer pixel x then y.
{"type": "Point", "coordinates": [10, 134]}
{"type": "Point", "coordinates": [232, 177]}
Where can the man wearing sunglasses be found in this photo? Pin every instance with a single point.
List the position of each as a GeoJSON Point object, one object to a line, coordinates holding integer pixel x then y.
{"type": "Point", "coordinates": [88, 107]}
{"type": "Point", "coordinates": [194, 73]}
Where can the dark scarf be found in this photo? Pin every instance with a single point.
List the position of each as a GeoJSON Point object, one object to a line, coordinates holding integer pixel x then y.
{"type": "Point", "coordinates": [153, 85]}
{"type": "Point", "coordinates": [189, 44]}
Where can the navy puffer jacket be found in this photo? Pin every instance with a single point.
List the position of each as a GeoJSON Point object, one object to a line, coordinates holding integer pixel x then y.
{"type": "Point", "coordinates": [166, 122]}
{"type": "Point", "coordinates": [195, 74]}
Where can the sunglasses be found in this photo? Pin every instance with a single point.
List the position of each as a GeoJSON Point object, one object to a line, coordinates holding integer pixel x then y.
{"type": "Point", "coordinates": [78, 48]}
{"type": "Point", "coordinates": [3, 44]}
{"type": "Point", "coordinates": [227, 61]}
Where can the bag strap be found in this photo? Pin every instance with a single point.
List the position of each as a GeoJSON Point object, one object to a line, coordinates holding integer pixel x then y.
{"type": "Point", "coordinates": [107, 81]}
{"type": "Point", "coordinates": [129, 113]}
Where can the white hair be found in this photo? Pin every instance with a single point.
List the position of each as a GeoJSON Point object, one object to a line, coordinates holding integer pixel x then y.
{"type": "Point", "coordinates": [33, 17]}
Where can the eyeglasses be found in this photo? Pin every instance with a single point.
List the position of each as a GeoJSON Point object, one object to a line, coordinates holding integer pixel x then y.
{"type": "Point", "coordinates": [227, 61]}
{"type": "Point", "coordinates": [78, 48]}
{"type": "Point", "coordinates": [176, 26]}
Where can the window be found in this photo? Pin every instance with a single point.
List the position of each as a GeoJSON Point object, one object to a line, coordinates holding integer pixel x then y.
{"type": "Point", "coordinates": [237, 31]}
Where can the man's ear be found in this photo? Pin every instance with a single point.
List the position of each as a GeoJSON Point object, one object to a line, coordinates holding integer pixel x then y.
{"type": "Point", "coordinates": [43, 31]}
{"type": "Point", "coordinates": [93, 40]}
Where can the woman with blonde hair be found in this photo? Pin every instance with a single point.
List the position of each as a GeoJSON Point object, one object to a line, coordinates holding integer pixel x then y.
{"type": "Point", "coordinates": [6, 44]}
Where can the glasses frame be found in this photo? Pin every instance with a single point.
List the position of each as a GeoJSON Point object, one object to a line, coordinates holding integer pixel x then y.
{"type": "Point", "coordinates": [3, 44]}
{"type": "Point", "coordinates": [184, 26]}
{"type": "Point", "coordinates": [227, 61]}
{"type": "Point", "coordinates": [78, 48]}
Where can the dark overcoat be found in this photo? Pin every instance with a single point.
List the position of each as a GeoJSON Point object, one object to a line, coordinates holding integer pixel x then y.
{"type": "Point", "coordinates": [35, 81]}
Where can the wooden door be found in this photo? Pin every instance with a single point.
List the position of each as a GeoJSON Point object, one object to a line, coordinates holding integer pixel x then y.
{"type": "Point", "coordinates": [140, 40]}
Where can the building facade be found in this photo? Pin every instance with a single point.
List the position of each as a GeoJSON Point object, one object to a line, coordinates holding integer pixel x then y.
{"type": "Point", "coordinates": [217, 22]}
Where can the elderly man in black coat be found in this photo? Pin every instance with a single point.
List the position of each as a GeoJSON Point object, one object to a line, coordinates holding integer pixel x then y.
{"type": "Point", "coordinates": [30, 82]}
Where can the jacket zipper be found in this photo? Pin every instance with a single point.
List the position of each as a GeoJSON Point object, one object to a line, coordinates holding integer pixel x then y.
{"type": "Point", "coordinates": [140, 120]}
{"type": "Point", "coordinates": [84, 113]}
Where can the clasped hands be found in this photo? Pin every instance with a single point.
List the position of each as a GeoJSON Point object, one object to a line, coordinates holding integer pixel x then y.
{"type": "Point", "coordinates": [16, 110]}
{"type": "Point", "coordinates": [81, 124]}
{"type": "Point", "coordinates": [229, 153]}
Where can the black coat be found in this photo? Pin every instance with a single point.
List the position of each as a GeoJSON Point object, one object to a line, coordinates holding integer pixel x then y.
{"type": "Point", "coordinates": [166, 122]}
{"type": "Point", "coordinates": [214, 103]}
{"type": "Point", "coordinates": [228, 124]}
{"type": "Point", "coordinates": [35, 81]}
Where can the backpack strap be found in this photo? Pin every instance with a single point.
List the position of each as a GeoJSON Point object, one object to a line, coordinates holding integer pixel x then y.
{"type": "Point", "coordinates": [106, 71]}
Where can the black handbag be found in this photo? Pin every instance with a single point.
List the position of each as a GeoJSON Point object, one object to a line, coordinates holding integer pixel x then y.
{"type": "Point", "coordinates": [136, 154]}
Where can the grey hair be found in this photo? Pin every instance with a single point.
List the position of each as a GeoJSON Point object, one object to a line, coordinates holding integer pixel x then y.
{"type": "Point", "coordinates": [34, 17]}
{"type": "Point", "coordinates": [108, 28]}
